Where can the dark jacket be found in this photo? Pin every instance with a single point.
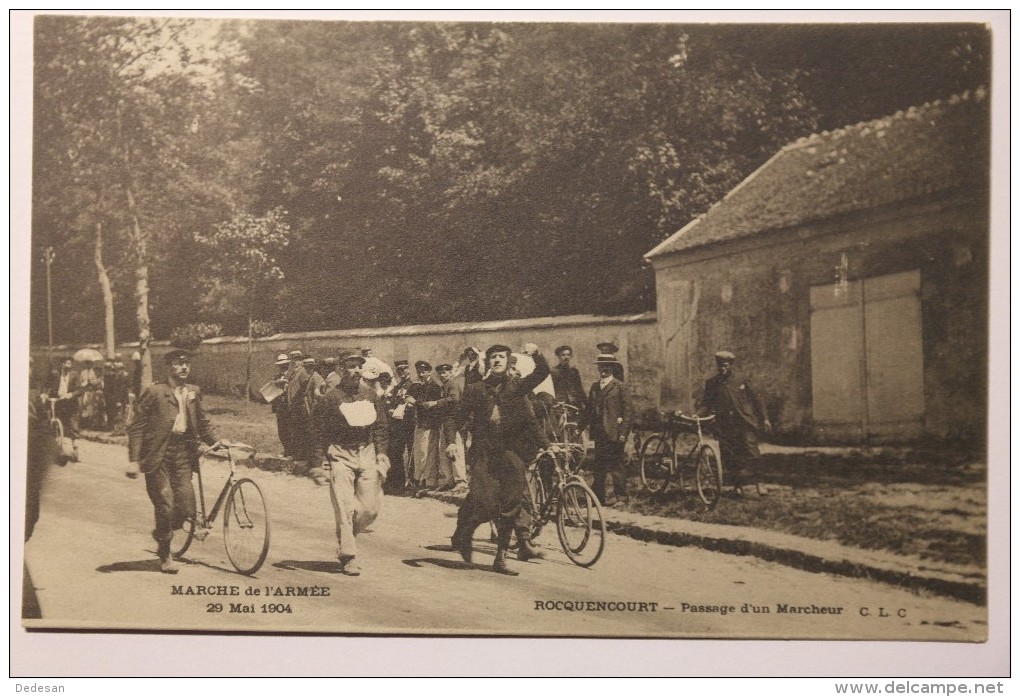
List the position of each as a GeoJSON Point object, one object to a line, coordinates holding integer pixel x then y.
{"type": "Point", "coordinates": [155, 413]}
{"type": "Point", "coordinates": [734, 402]}
{"type": "Point", "coordinates": [332, 427]}
{"type": "Point", "coordinates": [428, 391]}
{"type": "Point", "coordinates": [608, 412]}
{"type": "Point", "coordinates": [517, 426]}
{"type": "Point", "coordinates": [567, 384]}
{"type": "Point", "coordinates": [297, 387]}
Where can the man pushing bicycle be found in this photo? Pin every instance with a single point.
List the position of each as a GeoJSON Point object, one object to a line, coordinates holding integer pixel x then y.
{"type": "Point", "coordinates": [163, 443]}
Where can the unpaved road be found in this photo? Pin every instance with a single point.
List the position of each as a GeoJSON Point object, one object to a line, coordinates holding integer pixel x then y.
{"type": "Point", "coordinates": [92, 563]}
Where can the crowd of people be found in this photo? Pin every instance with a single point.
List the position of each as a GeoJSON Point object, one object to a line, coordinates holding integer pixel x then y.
{"type": "Point", "coordinates": [468, 426]}
{"type": "Point", "coordinates": [93, 395]}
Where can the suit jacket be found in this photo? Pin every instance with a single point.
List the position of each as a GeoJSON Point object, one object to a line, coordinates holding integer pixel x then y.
{"type": "Point", "coordinates": [734, 402]}
{"type": "Point", "coordinates": [155, 413]}
{"type": "Point", "coordinates": [608, 412]}
{"type": "Point", "coordinates": [517, 428]}
{"type": "Point", "coordinates": [73, 386]}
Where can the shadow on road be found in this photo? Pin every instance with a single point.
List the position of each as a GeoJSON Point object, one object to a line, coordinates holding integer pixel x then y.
{"type": "Point", "coordinates": [326, 567]}
{"type": "Point", "coordinates": [150, 565]}
{"type": "Point", "coordinates": [444, 563]}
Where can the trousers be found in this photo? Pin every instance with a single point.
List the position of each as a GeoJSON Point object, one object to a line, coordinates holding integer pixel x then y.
{"type": "Point", "coordinates": [171, 492]}
{"type": "Point", "coordinates": [426, 456]}
{"type": "Point", "coordinates": [355, 489]}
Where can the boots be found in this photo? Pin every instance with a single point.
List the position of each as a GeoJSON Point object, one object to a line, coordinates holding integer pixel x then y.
{"type": "Point", "coordinates": [527, 551]}
{"type": "Point", "coordinates": [500, 565]}
{"type": "Point", "coordinates": [461, 542]}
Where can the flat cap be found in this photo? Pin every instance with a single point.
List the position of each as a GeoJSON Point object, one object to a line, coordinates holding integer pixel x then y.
{"type": "Point", "coordinates": [402, 363]}
{"type": "Point", "coordinates": [296, 355]}
{"type": "Point", "coordinates": [725, 356]}
{"type": "Point", "coordinates": [497, 348]}
{"type": "Point", "coordinates": [282, 359]}
{"type": "Point", "coordinates": [350, 356]}
{"type": "Point", "coordinates": [175, 354]}
{"type": "Point", "coordinates": [422, 365]}
{"type": "Point", "coordinates": [563, 348]}
{"type": "Point", "coordinates": [444, 366]}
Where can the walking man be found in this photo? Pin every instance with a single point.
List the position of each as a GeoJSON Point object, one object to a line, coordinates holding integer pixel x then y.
{"type": "Point", "coordinates": [608, 419]}
{"type": "Point", "coordinates": [350, 422]}
{"type": "Point", "coordinates": [163, 441]}
{"type": "Point", "coordinates": [740, 418]}
{"type": "Point", "coordinates": [65, 387]}
{"type": "Point", "coordinates": [496, 412]}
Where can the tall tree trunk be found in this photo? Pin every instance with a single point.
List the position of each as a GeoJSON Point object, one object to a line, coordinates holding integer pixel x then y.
{"type": "Point", "coordinates": [141, 288]}
{"type": "Point", "coordinates": [104, 285]}
{"type": "Point", "coordinates": [141, 260]}
{"type": "Point", "coordinates": [251, 348]}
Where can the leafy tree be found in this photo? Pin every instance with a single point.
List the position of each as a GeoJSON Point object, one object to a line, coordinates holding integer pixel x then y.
{"type": "Point", "coordinates": [244, 249]}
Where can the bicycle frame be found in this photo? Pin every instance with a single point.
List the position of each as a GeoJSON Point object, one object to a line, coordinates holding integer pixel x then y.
{"type": "Point", "coordinates": [204, 522]}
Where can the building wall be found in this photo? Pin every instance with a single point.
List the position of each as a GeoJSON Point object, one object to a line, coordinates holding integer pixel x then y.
{"type": "Point", "coordinates": [752, 296]}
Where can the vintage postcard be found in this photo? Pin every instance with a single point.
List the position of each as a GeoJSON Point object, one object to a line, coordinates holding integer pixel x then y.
{"type": "Point", "coordinates": [481, 325]}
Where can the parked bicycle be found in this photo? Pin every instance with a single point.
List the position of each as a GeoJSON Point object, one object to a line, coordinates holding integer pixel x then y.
{"type": "Point", "coordinates": [555, 493]}
{"type": "Point", "coordinates": [679, 454]}
{"type": "Point", "coordinates": [245, 517]}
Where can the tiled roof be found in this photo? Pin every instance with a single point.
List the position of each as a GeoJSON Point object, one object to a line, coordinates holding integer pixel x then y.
{"type": "Point", "coordinates": [913, 153]}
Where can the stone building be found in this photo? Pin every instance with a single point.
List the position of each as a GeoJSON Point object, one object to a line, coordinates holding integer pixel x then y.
{"type": "Point", "coordinates": [849, 273]}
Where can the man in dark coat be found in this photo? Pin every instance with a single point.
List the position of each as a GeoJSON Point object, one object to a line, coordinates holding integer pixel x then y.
{"type": "Point", "coordinates": [298, 412]}
{"type": "Point", "coordinates": [502, 426]}
{"type": "Point", "coordinates": [279, 405]}
{"type": "Point", "coordinates": [608, 419]}
{"type": "Point", "coordinates": [163, 441]}
{"type": "Point", "coordinates": [351, 425]}
{"type": "Point", "coordinates": [739, 419]}
{"type": "Point", "coordinates": [401, 430]}
{"type": "Point", "coordinates": [566, 379]}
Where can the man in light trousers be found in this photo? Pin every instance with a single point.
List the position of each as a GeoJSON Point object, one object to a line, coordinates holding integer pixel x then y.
{"type": "Point", "coordinates": [351, 444]}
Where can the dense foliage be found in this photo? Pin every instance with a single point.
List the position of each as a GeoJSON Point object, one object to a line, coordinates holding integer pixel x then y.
{"type": "Point", "coordinates": [430, 172]}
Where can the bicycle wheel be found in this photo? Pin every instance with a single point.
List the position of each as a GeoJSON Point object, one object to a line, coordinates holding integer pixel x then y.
{"type": "Point", "coordinates": [656, 463]}
{"type": "Point", "coordinates": [246, 527]}
{"type": "Point", "coordinates": [535, 500]}
{"type": "Point", "coordinates": [708, 476]}
{"type": "Point", "coordinates": [580, 524]}
{"type": "Point", "coordinates": [182, 539]}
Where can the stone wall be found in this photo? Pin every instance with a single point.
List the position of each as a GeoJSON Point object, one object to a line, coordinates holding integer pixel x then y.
{"type": "Point", "coordinates": [752, 296]}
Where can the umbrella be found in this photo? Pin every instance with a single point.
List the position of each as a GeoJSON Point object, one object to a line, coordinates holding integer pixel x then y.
{"type": "Point", "coordinates": [88, 355]}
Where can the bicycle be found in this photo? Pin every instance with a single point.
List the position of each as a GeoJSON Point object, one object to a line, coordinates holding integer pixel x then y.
{"type": "Point", "coordinates": [66, 446]}
{"type": "Point", "coordinates": [554, 492]}
{"type": "Point", "coordinates": [661, 461]}
{"type": "Point", "coordinates": [245, 517]}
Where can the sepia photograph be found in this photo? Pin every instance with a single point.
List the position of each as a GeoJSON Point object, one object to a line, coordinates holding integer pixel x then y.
{"type": "Point", "coordinates": [491, 325]}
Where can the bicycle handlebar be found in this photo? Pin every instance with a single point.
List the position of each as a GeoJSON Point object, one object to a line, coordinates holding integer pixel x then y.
{"type": "Point", "coordinates": [227, 445]}
{"type": "Point", "coordinates": [691, 418]}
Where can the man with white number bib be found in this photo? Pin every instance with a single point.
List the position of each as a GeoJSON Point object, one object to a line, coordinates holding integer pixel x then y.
{"type": "Point", "coordinates": [352, 439]}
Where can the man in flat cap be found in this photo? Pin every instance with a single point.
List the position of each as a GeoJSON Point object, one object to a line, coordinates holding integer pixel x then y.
{"type": "Point", "coordinates": [352, 430]}
{"type": "Point", "coordinates": [401, 429]}
{"type": "Point", "coordinates": [298, 409]}
{"type": "Point", "coordinates": [566, 379]}
{"type": "Point", "coordinates": [279, 405]}
{"type": "Point", "coordinates": [452, 467]}
{"type": "Point", "coordinates": [163, 440]}
{"type": "Point", "coordinates": [426, 427]}
{"type": "Point", "coordinates": [608, 419]}
{"type": "Point", "coordinates": [502, 426]}
{"type": "Point", "coordinates": [740, 418]}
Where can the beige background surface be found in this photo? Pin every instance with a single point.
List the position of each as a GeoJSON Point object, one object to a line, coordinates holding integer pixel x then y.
{"type": "Point", "coordinates": [111, 654]}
